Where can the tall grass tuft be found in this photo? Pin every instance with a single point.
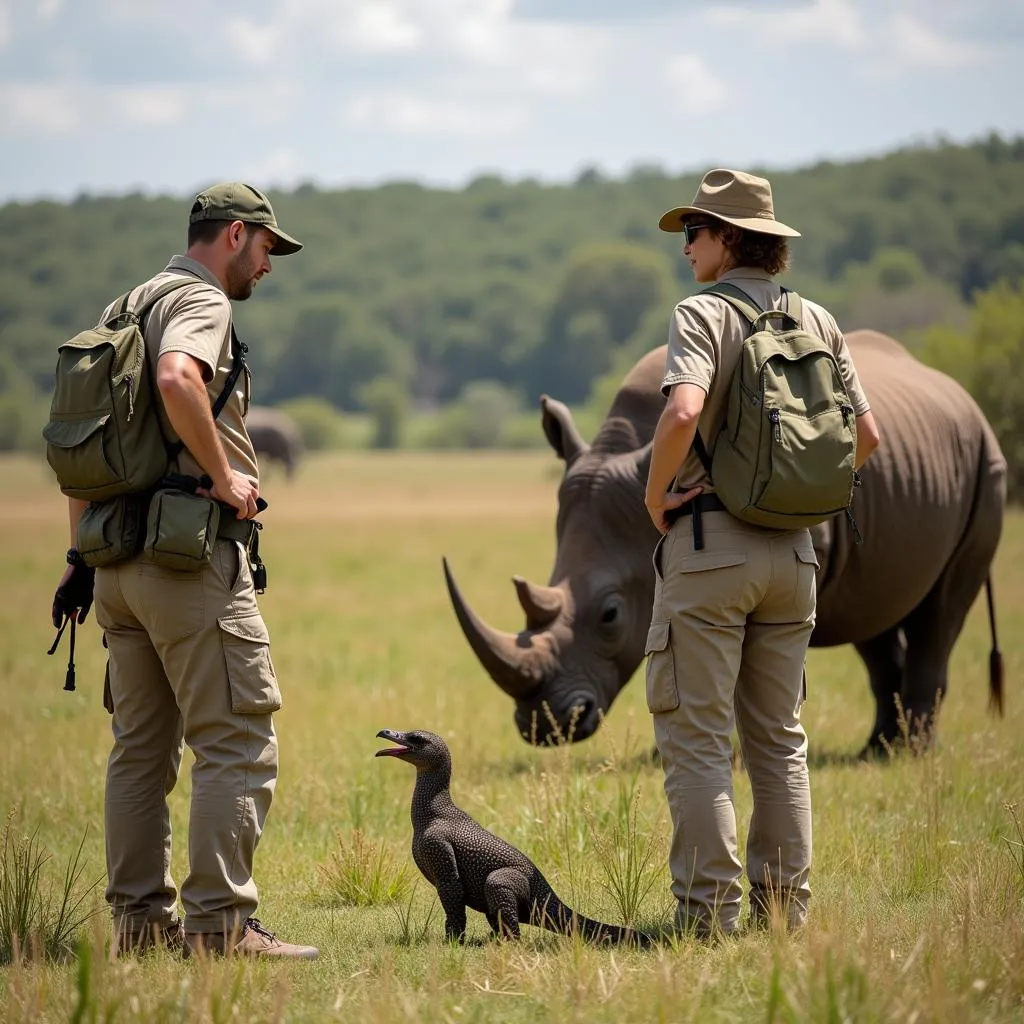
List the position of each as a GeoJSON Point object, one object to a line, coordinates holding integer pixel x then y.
{"type": "Point", "coordinates": [408, 934]}
{"type": "Point", "coordinates": [918, 869]}
{"type": "Point", "coordinates": [631, 860]}
{"type": "Point", "coordinates": [361, 873]}
{"type": "Point", "coordinates": [34, 920]}
{"type": "Point", "coordinates": [1015, 845]}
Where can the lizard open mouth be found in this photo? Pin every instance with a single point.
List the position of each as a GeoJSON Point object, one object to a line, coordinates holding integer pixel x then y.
{"type": "Point", "coordinates": [391, 751]}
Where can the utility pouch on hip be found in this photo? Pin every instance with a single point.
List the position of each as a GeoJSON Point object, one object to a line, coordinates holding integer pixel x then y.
{"type": "Point", "coordinates": [181, 529]}
{"type": "Point", "coordinates": [112, 531]}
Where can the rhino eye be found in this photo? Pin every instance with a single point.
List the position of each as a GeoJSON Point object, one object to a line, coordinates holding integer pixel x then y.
{"type": "Point", "coordinates": [611, 614]}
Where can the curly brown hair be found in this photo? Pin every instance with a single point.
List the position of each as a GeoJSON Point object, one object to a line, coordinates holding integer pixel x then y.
{"type": "Point", "coordinates": [769, 253]}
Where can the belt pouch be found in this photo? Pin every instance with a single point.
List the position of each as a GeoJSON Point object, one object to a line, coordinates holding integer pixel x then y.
{"type": "Point", "coordinates": [181, 529]}
{"type": "Point", "coordinates": [111, 531]}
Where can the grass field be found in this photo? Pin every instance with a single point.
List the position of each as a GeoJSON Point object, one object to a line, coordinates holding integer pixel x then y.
{"type": "Point", "coordinates": [918, 879]}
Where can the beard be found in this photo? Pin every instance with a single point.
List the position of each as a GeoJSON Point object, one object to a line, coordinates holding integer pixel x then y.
{"type": "Point", "coordinates": [241, 273]}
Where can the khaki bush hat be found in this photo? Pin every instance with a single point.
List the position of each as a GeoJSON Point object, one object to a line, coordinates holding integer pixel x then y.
{"type": "Point", "coordinates": [735, 197]}
{"type": "Point", "coordinates": [233, 200]}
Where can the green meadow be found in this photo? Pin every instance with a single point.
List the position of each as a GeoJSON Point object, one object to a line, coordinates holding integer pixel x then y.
{"type": "Point", "coordinates": [918, 879]}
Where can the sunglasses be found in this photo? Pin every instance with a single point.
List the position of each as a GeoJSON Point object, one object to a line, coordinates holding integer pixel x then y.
{"type": "Point", "coordinates": [690, 231]}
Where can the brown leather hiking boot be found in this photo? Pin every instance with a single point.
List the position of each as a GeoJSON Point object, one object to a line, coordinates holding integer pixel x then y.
{"type": "Point", "coordinates": [255, 940]}
{"type": "Point", "coordinates": [135, 943]}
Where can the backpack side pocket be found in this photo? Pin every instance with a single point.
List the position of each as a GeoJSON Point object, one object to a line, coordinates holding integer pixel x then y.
{"type": "Point", "coordinates": [111, 531]}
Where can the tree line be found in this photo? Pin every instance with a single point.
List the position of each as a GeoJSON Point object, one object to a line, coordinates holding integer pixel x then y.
{"type": "Point", "coordinates": [432, 314]}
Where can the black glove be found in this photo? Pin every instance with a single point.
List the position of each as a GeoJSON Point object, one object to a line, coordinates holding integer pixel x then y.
{"type": "Point", "coordinates": [74, 593]}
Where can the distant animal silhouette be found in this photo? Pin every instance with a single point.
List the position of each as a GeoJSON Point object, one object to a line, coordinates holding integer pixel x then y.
{"type": "Point", "coordinates": [275, 436]}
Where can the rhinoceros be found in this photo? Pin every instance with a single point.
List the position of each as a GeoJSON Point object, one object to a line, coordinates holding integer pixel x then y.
{"type": "Point", "coordinates": [275, 435]}
{"type": "Point", "coordinates": [930, 510]}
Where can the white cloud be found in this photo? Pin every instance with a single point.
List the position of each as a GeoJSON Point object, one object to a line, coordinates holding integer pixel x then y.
{"type": "Point", "coordinates": [923, 47]}
{"type": "Point", "coordinates": [694, 85]}
{"type": "Point", "coordinates": [543, 92]}
{"type": "Point", "coordinates": [828, 22]}
{"type": "Point", "coordinates": [479, 31]}
{"type": "Point", "coordinates": [383, 28]}
{"type": "Point", "coordinates": [557, 59]}
{"type": "Point", "coordinates": [888, 37]}
{"type": "Point", "coordinates": [149, 105]}
{"type": "Point", "coordinates": [438, 116]}
{"type": "Point", "coordinates": [457, 34]}
{"type": "Point", "coordinates": [66, 109]}
{"type": "Point", "coordinates": [37, 109]}
{"type": "Point", "coordinates": [256, 43]}
{"type": "Point", "coordinates": [280, 166]}
{"type": "Point", "coordinates": [40, 10]}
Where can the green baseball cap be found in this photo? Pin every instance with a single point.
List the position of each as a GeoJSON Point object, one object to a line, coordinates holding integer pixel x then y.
{"type": "Point", "coordinates": [234, 200]}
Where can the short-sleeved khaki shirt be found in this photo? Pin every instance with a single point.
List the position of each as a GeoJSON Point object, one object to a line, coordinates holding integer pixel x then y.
{"type": "Point", "coordinates": [704, 342]}
{"type": "Point", "coordinates": [196, 319]}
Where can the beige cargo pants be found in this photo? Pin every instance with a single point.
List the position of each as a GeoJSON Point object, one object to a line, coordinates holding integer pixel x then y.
{"type": "Point", "coordinates": [189, 661]}
{"type": "Point", "coordinates": [727, 643]}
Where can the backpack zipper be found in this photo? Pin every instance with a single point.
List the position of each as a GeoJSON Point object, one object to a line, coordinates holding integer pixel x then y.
{"type": "Point", "coordinates": [776, 418]}
{"type": "Point", "coordinates": [131, 398]}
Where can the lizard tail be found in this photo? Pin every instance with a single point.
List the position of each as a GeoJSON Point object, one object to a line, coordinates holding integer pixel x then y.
{"type": "Point", "coordinates": [554, 915]}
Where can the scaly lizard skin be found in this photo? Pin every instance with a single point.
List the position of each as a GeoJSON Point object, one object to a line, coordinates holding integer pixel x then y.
{"type": "Point", "coordinates": [471, 867]}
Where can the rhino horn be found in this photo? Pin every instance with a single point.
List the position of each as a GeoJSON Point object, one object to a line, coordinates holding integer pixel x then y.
{"type": "Point", "coordinates": [516, 663]}
{"type": "Point", "coordinates": [541, 604]}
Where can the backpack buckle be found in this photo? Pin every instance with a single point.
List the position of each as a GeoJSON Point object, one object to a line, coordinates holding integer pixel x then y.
{"type": "Point", "coordinates": [122, 320]}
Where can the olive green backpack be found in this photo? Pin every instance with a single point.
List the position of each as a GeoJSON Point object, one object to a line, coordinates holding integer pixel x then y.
{"type": "Point", "coordinates": [784, 458]}
{"type": "Point", "coordinates": [104, 438]}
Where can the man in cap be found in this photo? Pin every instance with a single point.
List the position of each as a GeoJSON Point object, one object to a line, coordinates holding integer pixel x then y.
{"type": "Point", "coordinates": [736, 609]}
{"type": "Point", "coordinates": [188, 651]}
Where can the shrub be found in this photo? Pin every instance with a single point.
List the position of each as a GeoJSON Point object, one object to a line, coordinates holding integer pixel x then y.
{"type": "Point", "coordinates": [34, 919]}
{"type": "Point", "coordinates": [361, 873]}
{"type": "Point", "coordinates": [386, 400]}
{"type": "Point", "coordinates": [477, 420]}
{"type": "Point", "coordinates": [323, 427]}
{"type": "Point", "coordinates": [989, 362]}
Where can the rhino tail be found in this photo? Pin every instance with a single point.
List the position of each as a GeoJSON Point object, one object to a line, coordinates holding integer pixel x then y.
{"type": "Point", "coordinates": [996, 686]}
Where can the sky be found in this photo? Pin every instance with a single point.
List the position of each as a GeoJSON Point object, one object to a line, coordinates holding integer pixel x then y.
{"type": "Point", "coordinates": [168, 96]}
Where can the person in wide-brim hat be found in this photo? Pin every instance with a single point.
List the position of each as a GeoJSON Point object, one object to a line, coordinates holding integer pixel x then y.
{"type": "Point", "coordinates": [735, 605]}
{"type": "Point", "coordinates": [740, 199]}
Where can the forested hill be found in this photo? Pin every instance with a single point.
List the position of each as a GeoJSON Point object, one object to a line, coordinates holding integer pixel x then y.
{"type": "Point", "coordinates": [538, 287]}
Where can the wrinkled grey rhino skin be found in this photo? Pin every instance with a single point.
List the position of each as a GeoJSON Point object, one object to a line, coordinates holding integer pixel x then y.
{"type": "Point", "coordinates": [930, 511]}
{"type": "Point", "coordinates": [275, 436]}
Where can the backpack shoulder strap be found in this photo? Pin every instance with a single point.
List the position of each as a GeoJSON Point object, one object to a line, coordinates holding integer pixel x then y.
{"type": "Point", "coordinates": [161, 293]}
{"type": "Point", "coordinates": [138, 313]}
{"type": "Point", "coordinates": [736, 297]}
{"type": "Point", "coordinates": [792, 306]}
{"type": "Point", "coordinates": [746, 307]}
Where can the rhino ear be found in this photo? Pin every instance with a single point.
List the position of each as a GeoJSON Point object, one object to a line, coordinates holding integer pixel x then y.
{"type": "Point", "coordinates": [560, 430]}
